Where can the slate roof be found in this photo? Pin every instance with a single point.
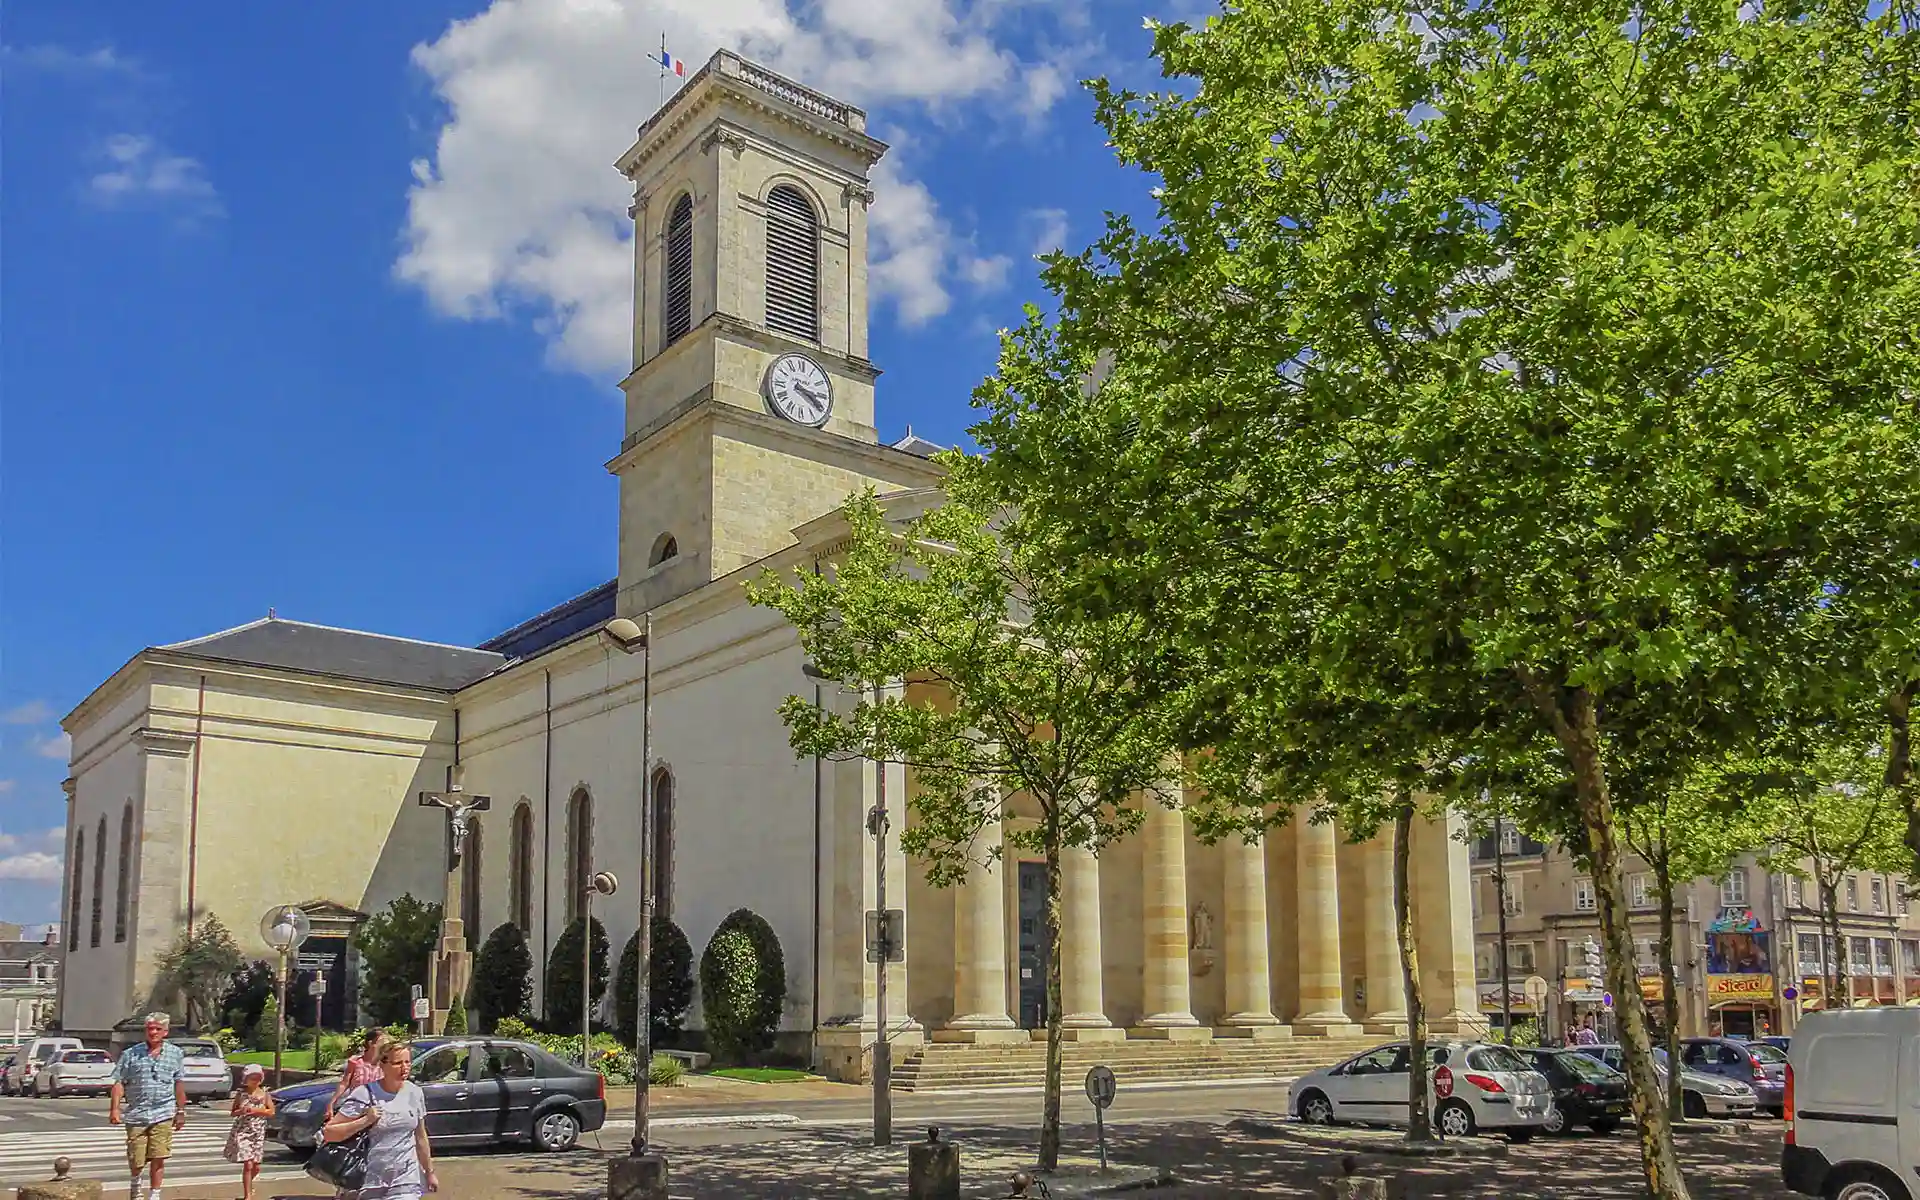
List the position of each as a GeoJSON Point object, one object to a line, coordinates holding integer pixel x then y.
{"type": "Point", "coordinates": [345, 654]}
{"type": "Point", "coordinates": [557, 624]}
{"type": "Point", "coordinates": [918, 446]}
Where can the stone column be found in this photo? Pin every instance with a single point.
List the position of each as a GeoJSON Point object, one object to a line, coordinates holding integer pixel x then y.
{"type": "Point", "coordinates": [980, 951]}
{"type": "Point", "coordinates": [1166, 1001]}
{"type": "Point", "coordinates": [1322, 998]}
{"type": "Point", "coordinates": [1442, 877]}
{"type": "Point", "coordinates": [1249, 985]}
{"type": "Point", "coordinates": [1082, 994]}
{"type": "Point", "coordinates": [1386, 991]}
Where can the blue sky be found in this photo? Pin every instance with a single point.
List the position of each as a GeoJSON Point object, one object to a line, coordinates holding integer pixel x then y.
{"type": "Point", "coordinates": [321, 307]}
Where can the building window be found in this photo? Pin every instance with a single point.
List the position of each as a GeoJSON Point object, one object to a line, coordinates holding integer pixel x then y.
{"type": "Point", "coordinates": [1510, 897]}
{"type": "Point", "coordinates": [1520, 958]}
{"type": "Point", "coordinates": [1509, 838]}
{"type": "Point", "coordinates": [662, 848]}
{"type": "Point", "coordinates": [1877, 894]}
{"type": "Point", "coordinates": [1479, 905]}
{"type": "Point", "coordinates": [520, 868]}
{"type": "Point", "coordinates": [470, 874]}
{"type": "Point", "coordinates": [664, 548]}
{"type": "Point", "coordinates": [1883, 956]}
{"type": "Point", "coordinates": [1583, 898]}
{"type": "Point", "coordinates": [1910, 958]}
{"type": "Point", "coordinates": [1862, 956]}
{"type": "Point", "coordinates": [1483, 960]}
{"type": "Point", "coordinates": [1809, 950]}
{"type": "Point", "coordinates": [1733, 889]}
{"type": "Point", "coordinates": [1796, 892]}
{"type": "Point", "coordinates": [1900, 896]}
{"type": "Point", "coordinates": [579, 851]}
{"type": "Point", "coordinates": [120, 897]}
{"type": "Point", "coordinates": [793, 264]}
{"type": "Point", "coordinates": [99, 880]}
{"type": "Point", "coordinates": [79, 888]}
{"type": "Point", "coordinates": [1646, 955]}
{"type": "Point", "coordinates": [1853, 893]}
{"type": "Point", "coordinates": [678, 288]}
{"type": "Point", "coordinates": [1640, 890]}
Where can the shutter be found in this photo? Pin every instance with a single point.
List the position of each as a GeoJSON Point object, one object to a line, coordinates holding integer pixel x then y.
{"type": "Point", "coordinates": [793, 264]}
{"type": "Point", "coordinates": [679, 285]}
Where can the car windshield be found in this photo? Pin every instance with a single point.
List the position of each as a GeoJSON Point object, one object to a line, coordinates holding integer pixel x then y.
{"type": "Point", "coordinates": [88, 1056]}
{"type": "Point", "coordinates": [199, 1049]}
{"type": "Point", "coordinates": [1496, 1058]}
{"type": "Point", "coordinates": [1766, 1053]}
{"type": "Point", "coordinates": [1590, 1069]}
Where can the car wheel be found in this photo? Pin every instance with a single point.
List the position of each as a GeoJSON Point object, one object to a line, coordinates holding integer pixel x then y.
{"type": "Point", "coordinates": [556, 1130]}
{"type": "Point", "coordinates": [1605, 1125]}
{"type": "Point", "coordinates": [1693, 1106]}
{"type": "Point", "coordinates": [1455, 1119]}
{"type": "Point", "coordinates": [1556, 1122]}
{"type": "Point", "coordinates": [1865, 1183]}
{"type": "Point", "coordinates": [1316, 1109]}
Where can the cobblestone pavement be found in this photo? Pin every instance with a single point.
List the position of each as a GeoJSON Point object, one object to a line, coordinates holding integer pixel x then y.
{"type": "Point", "coordinates": [1214, 1163]}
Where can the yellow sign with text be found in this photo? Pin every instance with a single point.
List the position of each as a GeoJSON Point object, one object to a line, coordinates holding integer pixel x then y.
{"type": "Point", "coordinates": [1739, 987]}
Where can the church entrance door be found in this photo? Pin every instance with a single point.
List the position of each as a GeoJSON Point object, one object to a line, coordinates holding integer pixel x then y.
{"type": "Point", "coordinates": [1033, 945]}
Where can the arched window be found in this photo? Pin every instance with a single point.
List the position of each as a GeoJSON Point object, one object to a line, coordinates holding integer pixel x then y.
{"type": "Point", "coordinates": [678, 288]}
{"type": "Point", "coordinates": [79, 888]}
{"type": "Point", "coordinates": [662, 848]}
{"type": "Point", "coordinates": [120, 897]}
{"type": "Point", "coordinates": [99, 878]}
{"type": "Point", "coordinates": [470, 882]}
{"type": "Point", "coordinates": [579, 850]}
{"type": "Point", "coordinates": [793, 264]}
{"type": "Point", "coordinates": [664, 548]}
{"type": "Point", "coordinates": [520, 868]}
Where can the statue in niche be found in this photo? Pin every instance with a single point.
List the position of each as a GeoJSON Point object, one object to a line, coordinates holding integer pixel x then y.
{"type": "Point", "coordinates": [1200, 927]}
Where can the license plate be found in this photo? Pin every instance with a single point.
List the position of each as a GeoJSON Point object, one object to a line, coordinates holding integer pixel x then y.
{"type": "Point", "coordinates": [1614, 1109]}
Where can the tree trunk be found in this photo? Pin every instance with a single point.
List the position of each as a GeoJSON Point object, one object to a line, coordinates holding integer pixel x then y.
{"type": "Point", "coordinates": [1830, 933]}
{"type": "Point", "coordinates": [1900, 777]}
{"type": "Point", "coordinates": [1050, 1103]}
{"type": "Point", "coordinates": [1670, 983]}
{"type": "Point", "coordinates": [1419, 1117]}
{"type": "Point", "coordinates": [1580, 733]}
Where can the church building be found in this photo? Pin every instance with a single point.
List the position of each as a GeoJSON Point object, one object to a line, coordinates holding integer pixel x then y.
{"type": "Point", "coordinates": [283, 762]}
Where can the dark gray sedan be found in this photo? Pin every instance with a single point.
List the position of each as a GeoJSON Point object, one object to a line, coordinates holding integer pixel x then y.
{"type": "Point", "coordinates": [478, 1090]}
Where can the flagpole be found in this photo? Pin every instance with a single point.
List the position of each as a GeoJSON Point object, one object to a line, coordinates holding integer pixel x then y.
{"type": "Point", "coordinates": [661, 62]}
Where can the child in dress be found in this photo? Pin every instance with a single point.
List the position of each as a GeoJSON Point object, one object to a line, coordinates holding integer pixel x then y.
{"type": "Point", "coordinates": [252, 1105]}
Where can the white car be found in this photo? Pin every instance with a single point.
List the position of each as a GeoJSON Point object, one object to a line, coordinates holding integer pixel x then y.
{"type": "Point", "coordinates": [38, 1054]}
{"type": "Point", "coordinates": [1471, 1086]}
{"type": "Point", "coordinates": [1853, 1105]}
{"type": "Point", "coordinates": [75, 1073]}
{"type": "Point", "coordinates": [203, 1068]}
{"type": "Point", "coordinates": [1701, 1095]}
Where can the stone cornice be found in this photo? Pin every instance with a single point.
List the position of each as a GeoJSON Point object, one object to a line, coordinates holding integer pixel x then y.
{"type": "Point", "coordinates": [167, 743]}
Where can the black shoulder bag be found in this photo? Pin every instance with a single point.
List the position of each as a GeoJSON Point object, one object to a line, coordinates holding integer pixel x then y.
{"type": "Point", "coordinates": [342, 1164]}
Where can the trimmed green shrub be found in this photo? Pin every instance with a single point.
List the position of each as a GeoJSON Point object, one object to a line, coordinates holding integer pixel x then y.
{"type": "Point", "coordinates": [333, 1049]}
{"type": "Point", "coordinates": [669, 985]}
{"type": "Point", "coordinates": [666, 1072]}
{"type": "Point", "coordinates": [515, 1029]}
{"type": "Point", "coordinates": [743, 987]}
{"type": "Point", "coordinates": [503, 978]}
{"type": "Point", "coordinates": [456, 1017]}
{"type": "Point", "coordinates": [563, 976]}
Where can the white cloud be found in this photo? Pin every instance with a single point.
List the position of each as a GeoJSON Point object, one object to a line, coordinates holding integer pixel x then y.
{"type": "Point", "coordinates": [102, 61]}
{"type": "Point", "coordinates": [57, 746]}
{"type": "Point", "coordinates": [6, 786]}
{"type": "Point", "coordinates": [34, 858]}
{"type": "Point", "coordinates": [139, 170]}
{"type": "Point", "coordinates": [1050, 229]}
{"type": "Point", "coordinates": [518, 208]}
{"type": "Point", "coordinates": [31, 713]}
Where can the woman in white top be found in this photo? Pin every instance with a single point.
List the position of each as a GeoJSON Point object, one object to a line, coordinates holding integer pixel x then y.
{"type": "Point", "coordinates": [399, 1161]}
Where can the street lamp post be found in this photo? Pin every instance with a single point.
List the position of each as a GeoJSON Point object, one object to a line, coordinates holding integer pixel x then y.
{"type": "Point", "coordinates": [283, 928]}
{"type": "Point", "coordinates": [603, 883]}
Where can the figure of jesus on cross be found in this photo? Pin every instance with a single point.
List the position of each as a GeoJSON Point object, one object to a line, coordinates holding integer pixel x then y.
{"type": "Point", "coordinates": [452, 963]}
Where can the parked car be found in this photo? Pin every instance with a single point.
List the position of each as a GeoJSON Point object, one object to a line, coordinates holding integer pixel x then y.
{"type": "Point", "coordinates": [1471, 1085]}
{"type": "Point", "coordinates": [1700, 1095]}
{"type": "Point", "coordinates": [203, 1068]}
{"type": "Point", "coordinates": [478, 1091]}
{"type": "Point", "coordinates": [40, 1052]}
{"type": "Point", "coordinates": [9, 1072]}
{"type": "Point", "coordinates": [1853, 1105]}
{"type": "Point", "coordinates": [75, 1073]}
{"type": "Point", "coordinates": [1585, 1091]}
{"type": "Point", "coordinates": [1756, 1064]}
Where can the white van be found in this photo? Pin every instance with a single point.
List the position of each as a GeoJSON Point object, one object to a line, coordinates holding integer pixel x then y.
{"type": "Point", "coordinates": [1853, 1105]}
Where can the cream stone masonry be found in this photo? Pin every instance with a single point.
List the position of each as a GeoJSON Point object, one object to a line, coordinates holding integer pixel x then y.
{"type": "Point", "coordinates": [1386, 987]}
{"type": "Point", "coordinates": [980, 949]}
{"type": "Point", "coordinates": [1164, 898]}
{"type": "Point", "coordinates": [1249, 993]}
{"type": "Point", "coordinates": [1082, 994]}
{"type": "Point", "coordinates": [1322, 999]}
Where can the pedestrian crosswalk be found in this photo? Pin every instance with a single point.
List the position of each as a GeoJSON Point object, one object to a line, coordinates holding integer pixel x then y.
{"type": "Point", "coordinates": [101, 1153]}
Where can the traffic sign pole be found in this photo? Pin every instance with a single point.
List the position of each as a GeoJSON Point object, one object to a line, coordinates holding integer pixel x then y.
{"type": "Point", "coordinates": [1100, 1090]}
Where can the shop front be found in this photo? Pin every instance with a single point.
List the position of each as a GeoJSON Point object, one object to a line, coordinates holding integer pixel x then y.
{"type": "Point", "coordinates": [1518, 1001]}
{"type": "Point", "coordinates": [1742, 998]}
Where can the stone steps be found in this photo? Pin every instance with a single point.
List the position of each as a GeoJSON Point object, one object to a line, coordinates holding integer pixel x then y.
{"type": "Point", "coordinates": [949, 1065]}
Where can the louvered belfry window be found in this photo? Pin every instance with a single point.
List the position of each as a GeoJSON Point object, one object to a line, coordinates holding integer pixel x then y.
{"type": "Point", "coordinates": [793, 264]}
{"type": "Point", "coordinates": [679, 285]}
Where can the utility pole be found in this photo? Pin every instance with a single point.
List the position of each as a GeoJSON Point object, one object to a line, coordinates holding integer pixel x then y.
{"type": "Point", "coordinates": [882, 1048]}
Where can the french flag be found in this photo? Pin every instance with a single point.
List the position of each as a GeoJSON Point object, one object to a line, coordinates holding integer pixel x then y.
{"type": "Point", "coordinates": [670, 63]}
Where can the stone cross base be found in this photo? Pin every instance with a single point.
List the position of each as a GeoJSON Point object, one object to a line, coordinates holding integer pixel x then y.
{"type": "Point", "coordinates": [61, 1189]}
{"type": "Point", "coordinates": [1353, 1187]}
{"type": "Point", "coordinates": [642, 1178]}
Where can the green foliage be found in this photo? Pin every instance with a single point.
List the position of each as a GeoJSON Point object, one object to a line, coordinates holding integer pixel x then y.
{"type": "Point", "coordinates": [665, 1071]}
{"type": "Point", "coordinates": [1526, 1034]}
{"type": "Point", "coordinates": [247, 992]}
{"type": "Point", "coordinates": [502, 977]}
{"type": "Point", "coordinates": [333, 1049]}
{"type": "Point", "coordinates": [456, 1017]}
{"type": "Point", "coordinates": [743, 987]}
{"type": "Point", "coordinates": [198, 968]}
{"type": "Point", "coordinates": [669, 985]}
{"type": "Point", "coordinates": [397, 947]}
{"type": "Point", "coordinates": [515, 1029]}
{"type": "Point", "coordinates": [563, 976]}
{"type": "Point", "coordinates": [227, 1040]}
{"type": "Point", "coordinates": [265, 1029]}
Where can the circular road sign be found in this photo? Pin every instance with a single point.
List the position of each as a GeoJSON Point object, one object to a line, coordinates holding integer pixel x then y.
{"type": "Point", "coordinates": [1443, 1082]}
{"type": "Point", "coordinates": [1790, 992]}
{"type": "Point", "coordinates": [1100, 1086]}
{"type": "Point", "coordinates": [1607, 999]}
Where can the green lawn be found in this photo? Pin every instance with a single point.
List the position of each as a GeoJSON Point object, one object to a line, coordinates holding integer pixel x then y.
{"type": "Point", "coordinates": [764, 1074]}
{"type": "Point", "coordinates": [292, 1060]}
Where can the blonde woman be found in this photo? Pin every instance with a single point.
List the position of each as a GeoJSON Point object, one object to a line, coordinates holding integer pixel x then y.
{"type": "Point", "coordinates": [399, 1160]}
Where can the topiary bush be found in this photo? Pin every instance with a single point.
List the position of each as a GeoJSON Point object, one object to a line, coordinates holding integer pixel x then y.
{"type": "Point", "coordinates": [563, 977]}
{"type": "Point", "coordinates": [503, 978]}
{"type": "Point", "coordinates": [669, 985]}
{"type": "Point", "coordinates": [743, 987]}
{"type": "Point", "coordinates": [456, 1017]}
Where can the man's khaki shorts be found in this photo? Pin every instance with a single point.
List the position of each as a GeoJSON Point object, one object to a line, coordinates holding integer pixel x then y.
{"type": "Point", "coordinates": [148, 1143]}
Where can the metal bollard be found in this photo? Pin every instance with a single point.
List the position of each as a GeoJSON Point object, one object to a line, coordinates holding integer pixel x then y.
{"type": "Point", "coordinates": [933, 1168]}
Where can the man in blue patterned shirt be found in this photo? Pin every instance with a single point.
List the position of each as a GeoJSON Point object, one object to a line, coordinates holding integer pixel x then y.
{"type": "Point", "coordinates": [150, 1096]}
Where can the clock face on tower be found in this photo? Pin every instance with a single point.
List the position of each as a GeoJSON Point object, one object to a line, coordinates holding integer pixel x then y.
{"type": "Point", "coordinates": [798, 389]}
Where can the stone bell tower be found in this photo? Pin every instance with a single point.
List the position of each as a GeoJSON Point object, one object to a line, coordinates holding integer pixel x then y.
{"type": "Point", "coordinates": [750, 406]}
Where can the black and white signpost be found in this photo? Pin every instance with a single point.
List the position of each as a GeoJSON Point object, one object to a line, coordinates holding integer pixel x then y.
{"type": "Point", "coordinates": [1100, 1090]}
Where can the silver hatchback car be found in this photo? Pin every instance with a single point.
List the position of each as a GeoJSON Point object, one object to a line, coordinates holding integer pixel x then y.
{"type": "Point", "coordinates": [1471, 1086]}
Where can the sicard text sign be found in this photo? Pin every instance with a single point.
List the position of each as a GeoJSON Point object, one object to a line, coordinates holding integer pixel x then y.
{"type": "Point", "coordinates": [1739, 987]}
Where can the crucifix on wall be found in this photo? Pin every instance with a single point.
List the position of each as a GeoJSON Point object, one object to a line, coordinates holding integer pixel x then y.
{"type": "Point", "coordinates": [452, 963]}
